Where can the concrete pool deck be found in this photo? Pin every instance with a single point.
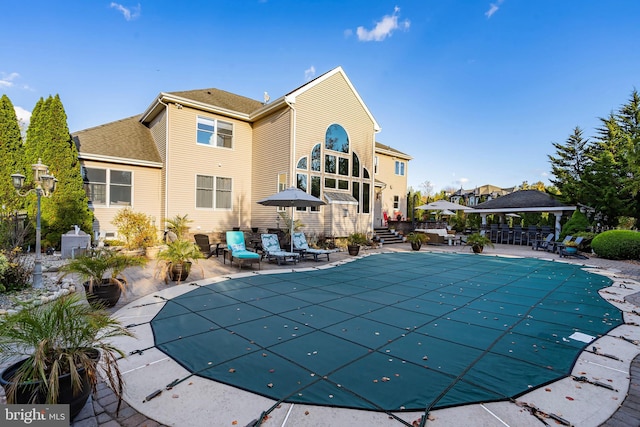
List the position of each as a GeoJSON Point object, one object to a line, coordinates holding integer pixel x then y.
{"type": "Point", "coordinates": [201, 402]}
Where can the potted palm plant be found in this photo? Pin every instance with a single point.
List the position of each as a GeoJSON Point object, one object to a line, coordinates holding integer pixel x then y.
{"type": "Point", "coordinates": [102, 273]}
{"type": "Point", "coordinates": [62, 342]}
{"type": "Point", "coordinates": [354, 241]}
{"type": "Point", "coordinates": [175, 261]}
{"type": "Point", "coordinates": [416, 240]}
{"type": "Point", "coordinates": [179, 225]}
{"type": "Point", "coordinates": [478, 241]}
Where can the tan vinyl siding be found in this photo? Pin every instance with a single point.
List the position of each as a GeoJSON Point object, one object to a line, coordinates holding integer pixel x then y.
{"type": "Point", "coordinates": [186, 159]}
{"type": "Point", "coordinates": [333, 101]}
{"type": "Point", "coordinates": [145, 195]}
{"type": "Point", "coordinates": [158, 128]}
{"type": "Point", "coordinates": [271, 157]}
{"type": "Point", "coordinates": [396, 184]}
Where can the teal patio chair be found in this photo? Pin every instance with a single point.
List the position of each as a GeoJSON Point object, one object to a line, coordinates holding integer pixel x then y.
{"type": "Point", "coordinates": [272, 250]}
{"type": "Point", "coordinates": [300, 244]}
{"type": "Point", "coordinates": [237, 249]}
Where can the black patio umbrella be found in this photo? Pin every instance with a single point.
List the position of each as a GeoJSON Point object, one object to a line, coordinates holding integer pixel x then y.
{"type": "Point", "coordinates": [294, 198]}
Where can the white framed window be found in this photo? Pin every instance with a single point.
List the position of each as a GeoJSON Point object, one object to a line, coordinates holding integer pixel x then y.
{"type": "Point", "coordinates": [214, 192]}
{"type": "Point", "coordinates": [399, 168]}
{"type": "Point", "coordinates": [375, 164]}
{"type": "Point", "coordinates": [396, 202]}
{"type": "Point", "coordinates": [215, 133]}
{"type": "Point", "coordinates": [108, 187]}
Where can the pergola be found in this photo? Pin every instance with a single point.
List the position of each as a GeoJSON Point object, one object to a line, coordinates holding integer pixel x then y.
{"type": "Point", "coordinates": [522, 201]}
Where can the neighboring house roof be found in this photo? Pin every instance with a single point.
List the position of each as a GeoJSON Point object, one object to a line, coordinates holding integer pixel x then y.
{"type": "Point", "coordinates": [122, 141]}
{"type": "Point", "coordinates": [390, 151]}
{"type": "Point", "coordinates": [485, 190]}
{"type": "Point", "coordinates": [524, 200]}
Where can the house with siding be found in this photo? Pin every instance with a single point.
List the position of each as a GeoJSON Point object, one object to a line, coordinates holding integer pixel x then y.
{"type": "Point", "coordinates": [480, 194]}
{"type": "Point", "coordinates": [390, 168]}
{"type": "Point", "coordinates": [212, 155]}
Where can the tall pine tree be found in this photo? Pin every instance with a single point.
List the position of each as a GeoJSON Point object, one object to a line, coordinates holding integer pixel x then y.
{"type": "Point", "coordinates": [604, 177]}
{"type": "Point", "coordinates": [568, 166]}
{"type": "Point", "coordinates": [49, 140]}
{"type": "Point", "coordinates": [11, 153]}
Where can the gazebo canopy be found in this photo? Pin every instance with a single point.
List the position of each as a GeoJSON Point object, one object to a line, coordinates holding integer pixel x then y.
{"type": "Point", "coordinates": [522, 201]}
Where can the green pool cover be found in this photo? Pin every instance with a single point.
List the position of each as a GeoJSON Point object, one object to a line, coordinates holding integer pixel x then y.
{"type": "Point", "coordinates": [390, 332]}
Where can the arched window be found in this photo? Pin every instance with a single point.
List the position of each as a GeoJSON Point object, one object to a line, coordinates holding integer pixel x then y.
{"type": "Point", "coordinates": [315, 158]}
{"type": "Point", "coordinates": [302, 163]}
{"type": "Point", "coordinates": [355, 166]}
{"type": "Point", "coordinates": [336, 139]}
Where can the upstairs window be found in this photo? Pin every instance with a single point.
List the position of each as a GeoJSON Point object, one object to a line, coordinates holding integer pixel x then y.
{"type": "Point", "coordinates": [336, 139]}
{"type": "Point", "coordinates": [399, 168]}
{"type": "Point", "coordinates": [216, 133]}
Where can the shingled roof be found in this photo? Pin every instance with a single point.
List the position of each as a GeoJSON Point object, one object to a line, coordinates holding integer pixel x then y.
{"type": "Point", "coordinates": [521, 200]}
{"type": "Point", "coordinates": [392, 151]}
{"type": "Point", "coordinates": [222, 99]}
{"type": "Point", "coordinates": [123, 139]}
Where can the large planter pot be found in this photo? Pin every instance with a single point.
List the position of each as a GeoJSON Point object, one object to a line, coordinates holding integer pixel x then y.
{"type": "Point", "coordinates": [353, 249]}
{"type": "Point", "coordinates": [477, 249]}
{"type": "Point", "coordinates": [76, 401]}
{"type": "Point", "coordinates": [571, 249]}
{"type": "Point", "coordinates": [180, 271]}
{"type": "Point", "coordinates": [416, 246]}
{"type": "Point", "coordinates": [105, 295]}
{"type": "Point", "coordinates": [152, 252]}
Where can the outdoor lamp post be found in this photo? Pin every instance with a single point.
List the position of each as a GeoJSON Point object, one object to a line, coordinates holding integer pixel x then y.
{"type": "Point", "coordinates": [45, 185]}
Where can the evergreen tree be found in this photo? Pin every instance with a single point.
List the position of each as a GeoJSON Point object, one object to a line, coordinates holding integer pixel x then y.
{"type": "Point", "coordinates": [11, 153]}
{"type": "Point", "coordinates": [48, 140]}
{"type": "Point", "coordinates": [604, 176]}
{"type": "Point", "coordinates": [628, 119]}
{"type": "Point", "coordinates": [568, 167]}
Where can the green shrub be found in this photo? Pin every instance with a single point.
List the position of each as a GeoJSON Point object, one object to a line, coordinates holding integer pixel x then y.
{"type": "Point", "coordinates": [135, 228]}
{"type": "Point", "coordinates": [576, 224]}
{"type": "Point", "coordinates": [17, 271]}
{"type": "Point", "coordinates": [617, 244]}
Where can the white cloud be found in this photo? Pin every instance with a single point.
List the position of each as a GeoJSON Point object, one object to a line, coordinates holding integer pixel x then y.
{"type": "Point", "coordinates": [6, 80]}
{"type": "Point", "coordinates": [383, 28]}
{"type": "Point", "coordinates": [22, 114]}
{"type": "Point", "coordinates": [128, 13]}
{"type": "Point", "coordinates": [310, 73]}
{"type": "Point", "coordinates": [493, 8]}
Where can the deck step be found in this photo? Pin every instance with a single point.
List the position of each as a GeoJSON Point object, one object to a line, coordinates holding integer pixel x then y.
{"type": "Point", "coordinates": [387, 236]}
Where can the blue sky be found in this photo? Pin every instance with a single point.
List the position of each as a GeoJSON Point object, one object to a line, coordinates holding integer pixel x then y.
{"type": "Point", "coordinates": [476, 91]}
